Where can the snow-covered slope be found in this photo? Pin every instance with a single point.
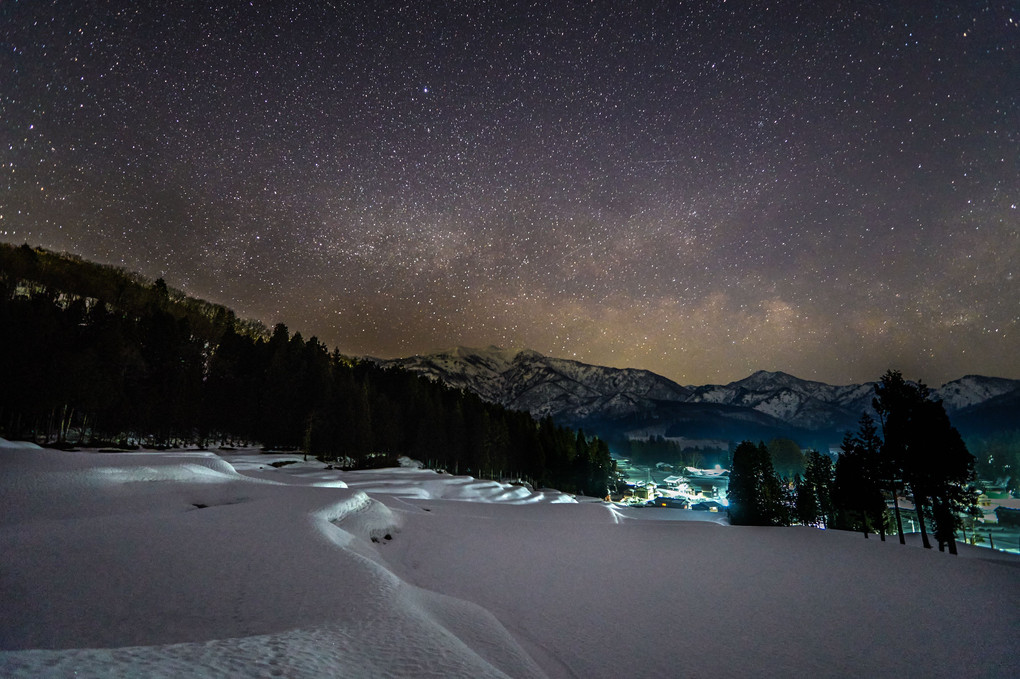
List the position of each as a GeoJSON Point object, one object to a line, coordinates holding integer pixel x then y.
{"type": "Point", "coordinates": [577, 393]}
{"type": "Point", "coordinates": [202, 565]}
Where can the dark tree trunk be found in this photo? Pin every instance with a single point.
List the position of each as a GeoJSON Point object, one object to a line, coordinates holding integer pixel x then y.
{"type": "Point", "coordinates": [919, 508]}
{"type": "Point", "coordinates": [899, 521]}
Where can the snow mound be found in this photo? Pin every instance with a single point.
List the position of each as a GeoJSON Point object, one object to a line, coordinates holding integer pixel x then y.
{"type": "Point", "coordinates": [409, 480]}
{"type": "Point", "coordinates": [134, 565]}
{"type": "Point", "coordinates": [426, 484]}
{"type": "Point", "coordinates": [432, 637]}
{"type": "Point", "coordinates": [286, 468]}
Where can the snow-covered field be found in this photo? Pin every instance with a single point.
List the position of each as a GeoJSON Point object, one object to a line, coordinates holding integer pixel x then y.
{"type": "Point", "coordinates": [203, 564]}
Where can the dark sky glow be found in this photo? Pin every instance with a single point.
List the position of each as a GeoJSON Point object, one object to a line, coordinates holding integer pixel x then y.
{"type": "Point", "coordinates": [702, 189]}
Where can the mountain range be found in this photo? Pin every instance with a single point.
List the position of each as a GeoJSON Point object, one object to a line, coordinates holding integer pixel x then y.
{"type": "Point", "coordinates": [639, 403]}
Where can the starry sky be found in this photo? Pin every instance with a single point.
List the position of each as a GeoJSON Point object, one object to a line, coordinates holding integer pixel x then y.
{"type": "Point", "coordinates": [702, 189]}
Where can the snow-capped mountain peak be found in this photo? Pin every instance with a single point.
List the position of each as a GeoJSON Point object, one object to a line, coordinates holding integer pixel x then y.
{"type": "Point", "coordinates": [973, 389]}
{"type": "Point", "coordinates": [578, 393]}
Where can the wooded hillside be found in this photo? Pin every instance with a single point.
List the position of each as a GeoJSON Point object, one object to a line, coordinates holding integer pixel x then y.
{"type": "Point", "coordinates": [92, 354]}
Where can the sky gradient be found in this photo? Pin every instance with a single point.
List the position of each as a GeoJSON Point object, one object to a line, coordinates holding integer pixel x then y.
{"type": "Point", "coordinates": [702, 189]}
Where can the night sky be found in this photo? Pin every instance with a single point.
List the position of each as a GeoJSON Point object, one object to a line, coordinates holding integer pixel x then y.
{"type": "Point", "coordinates": [702, 189]}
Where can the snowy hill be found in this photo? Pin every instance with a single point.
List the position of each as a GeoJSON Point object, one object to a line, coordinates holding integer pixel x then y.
{"type": "Point", "coordinates": [625, 400]}
{"type": "Point", "coordinates": [197, 564]}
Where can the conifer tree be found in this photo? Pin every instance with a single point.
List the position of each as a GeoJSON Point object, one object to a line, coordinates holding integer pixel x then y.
{"type": "Point", "coordinates": [817, 483]}
{"type": "Point", "coordinates": [924, 450]}
{"type": "Point", "coordinates": [756, 496]}
{"type": "Point", "coordinates": [857, 488]}
{"type": "Point", "coordinates": [950, 469]}
{"type": "Point", "coordinates": [787, 457]}
{"type": "Point", "coordinates": [805, 503]}
{"type": "Point", "coordinates": [895, 402]}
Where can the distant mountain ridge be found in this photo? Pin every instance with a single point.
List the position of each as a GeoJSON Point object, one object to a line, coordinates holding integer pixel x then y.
{"type": "Point", "coordinates": [639, 402]}
{"type": "Point", "coordinates": [527, 380]}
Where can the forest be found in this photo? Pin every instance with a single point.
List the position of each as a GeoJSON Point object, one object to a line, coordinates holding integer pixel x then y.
{"type": "Point", "coordinates": [912, 451]}
{"type": "Point", "coordinates": [94, 355]}
{"type": "Point", "coordinates": [656, 448]}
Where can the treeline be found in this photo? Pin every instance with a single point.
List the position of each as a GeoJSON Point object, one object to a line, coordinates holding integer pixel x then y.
{"type": "Point", "coordinates": [917, 453]}
{"type": "Point", "coordinates": [788, 460]}
{"type": "Point", "coordinates": [65, 278]}
{"type": "Point", "coordinates": [655, 449]}
{"type": "Point", "coordinates": [759, 495]}
{"type": "Point", "coordinates": [998, 457]}
{"type": "Point", "coordinates": [93, 356]}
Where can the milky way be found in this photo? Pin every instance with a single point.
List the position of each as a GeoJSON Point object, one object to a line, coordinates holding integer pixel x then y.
{"type": "Point", "coordinates": [702, 189]}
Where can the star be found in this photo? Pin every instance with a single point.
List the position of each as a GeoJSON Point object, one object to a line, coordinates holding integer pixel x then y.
{"type": "Point", "coordinates": [696, 190]}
